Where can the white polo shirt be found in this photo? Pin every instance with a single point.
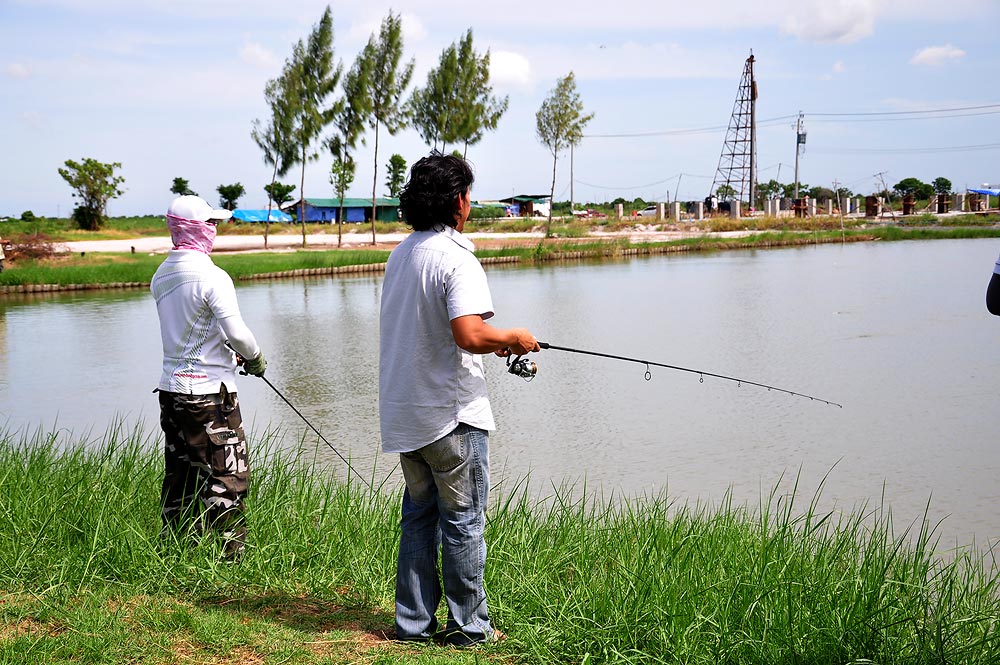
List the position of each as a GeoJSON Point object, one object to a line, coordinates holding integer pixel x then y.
{"type": "Point", "coordinates": [194, 298]}
{"type": "Point", "coordinates": [427, 383]}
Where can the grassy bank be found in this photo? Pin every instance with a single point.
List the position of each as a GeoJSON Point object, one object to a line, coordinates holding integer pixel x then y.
{"type": "Point", "coordinates": [97, 268]}
{"type": "Point", "coordinates": [85, 577]}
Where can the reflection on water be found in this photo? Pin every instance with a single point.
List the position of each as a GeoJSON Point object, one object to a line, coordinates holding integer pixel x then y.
{"type": "Point", "coordinates": [897, 332]}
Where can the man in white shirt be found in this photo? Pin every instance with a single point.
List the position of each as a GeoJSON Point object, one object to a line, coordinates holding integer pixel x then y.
{"type": "Point", "coordinates": [206, 473]}
{"type": "Point", "coordinates": [433, 406]}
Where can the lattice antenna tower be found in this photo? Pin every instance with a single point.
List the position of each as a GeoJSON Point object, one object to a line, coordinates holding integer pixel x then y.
{"type": "Point", "coordinates": [738, 161]}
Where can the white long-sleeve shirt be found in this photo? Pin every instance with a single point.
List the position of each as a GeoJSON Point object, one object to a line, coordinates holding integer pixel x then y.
{"type": "Point", "coordinates": [196, 303]}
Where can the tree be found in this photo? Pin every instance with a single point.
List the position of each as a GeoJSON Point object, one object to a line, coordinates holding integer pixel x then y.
{"type": "Point", "coordinates": [385, 85]}
{"type": "Point", "coordinates": [349, 125]}
{"type": "Point", "coordinates": [559, 124]}
{"type": "Point", "coordinates": [942, 186]}
{"type": "Point", "coordinates": [309, 78]}
{"type": "Point", "coordinates": [820, 193]}
{"type": "Point", "coordinates": [482, 109]}
{"type": "Point", "coordinates": [434, 109]}
{"type": "Point", "coordinates": [273, 139]}
{"type": "Point", "coordinates": [913, 187]}
{"type": "Point", "coordinates": [278, 193]}
{"type": "Point", "coordinates": [341, 176]}
{"type": "Point", "coordinates": [456, 104]}
{"type": "Point", "coordinates": [180, 188]}
{"type": "Point", "coordinates": [769, 189]}
{"type": "Point", "coordinates": [229, 195]}
{"type": "Point", "coordinates": [725, 192]}
{"type": "Point", "coordinates": [95, 184]}
{"type": "Point", "coordinates": [395, 174]}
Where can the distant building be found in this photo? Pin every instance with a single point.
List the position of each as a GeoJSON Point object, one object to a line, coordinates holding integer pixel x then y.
{"type": "Point", "coordinates": [528, 205]}
{"type": "Point", "coordinates": [355, 210]}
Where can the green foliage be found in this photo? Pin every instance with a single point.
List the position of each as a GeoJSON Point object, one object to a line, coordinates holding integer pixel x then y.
{"type": "Point", "coordinates": [913, 187]}
{"type": "Point", "coordinates": [383, 85]}
{"type": "Point", "coordinates": [559, 124]}
{"type": "Point", "coordinates": [942, 185]}
{"type": "Point", "coordinates": [307, 81]}
{"type": "Point", "coordinates": [181, 188]}
{"type": "Point", "coordinates": [456, 105]}
{"type": "Point", "coordinates": [395, 174]}
{"type": "Point", "coordinates": [560, 121]}
{"type": "Point", "coordinates": [279, 193]}
{"type": "Point", "coordinates": [27, 216]}
{"type": "Point", "coordinates": [820, 193]}
{"type": "Point", "coordinates": [725, 192]}
{"type": "Point", "coordinates": [341, 176]}
{"type": "Point", "coordinates": [229, 195]}
{"type": "Point", "coordinates": [94, 184]}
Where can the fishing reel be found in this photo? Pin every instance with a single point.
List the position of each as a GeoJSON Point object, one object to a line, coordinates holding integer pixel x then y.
{"type": "Point", "coordinates": [522, 367]}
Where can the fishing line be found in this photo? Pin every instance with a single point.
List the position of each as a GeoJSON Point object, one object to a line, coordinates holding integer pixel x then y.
{"type": "Point", "coordinates": [240, 360]}
{"type": "Point", "coordinates": [520, 367]}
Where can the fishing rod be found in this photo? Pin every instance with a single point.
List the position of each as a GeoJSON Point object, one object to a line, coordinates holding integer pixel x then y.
{"type": "Point", "coordinates": [527, 370]}
{"type": "Point", "coordinates": [240, 360]}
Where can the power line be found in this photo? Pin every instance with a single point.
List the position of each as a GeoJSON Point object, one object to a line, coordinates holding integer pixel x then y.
{"type": "Point", "coordinates": [921, 112]}
{"type": "Point", "coordinates": [652, 184]}
{"type": "Point", "coordinates": [905, 151]}
{"type": "Point", "coordinates": [685, 132]}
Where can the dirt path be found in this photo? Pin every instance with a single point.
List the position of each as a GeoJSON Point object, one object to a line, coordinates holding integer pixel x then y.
{"type": "Point", "coordinates": [255, 243]}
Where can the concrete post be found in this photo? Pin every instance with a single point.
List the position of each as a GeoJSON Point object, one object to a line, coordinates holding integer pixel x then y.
{"type": "Point", "coordinates": [829, 207]}
{"type": "Point", "coordinates": [699, 210]}
{"type": "Point", "coordinates": [734, 209]}
{"type": "Point", "coordinates": [958, 203]}
{"type": "Point", "coordinates": [811, 206]}
{"type": "Point", "coordinates": [619, 210]}
{"type": "Point", "coordinates": [660, 213]}
{"type": "Point", "coordinates": [857, 203]}
{"type": "Point", "coordinates": [675, 211]}
{"type": "Point", "coordinates": [845, 205]}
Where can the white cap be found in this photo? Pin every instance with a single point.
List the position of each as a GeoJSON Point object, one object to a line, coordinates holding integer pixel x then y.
{"type": "Point", "coordinates": [197, 209]}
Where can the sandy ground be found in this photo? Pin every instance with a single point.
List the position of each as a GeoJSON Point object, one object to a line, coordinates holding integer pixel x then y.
{"type": "Point", "coordinates": [255, 243]}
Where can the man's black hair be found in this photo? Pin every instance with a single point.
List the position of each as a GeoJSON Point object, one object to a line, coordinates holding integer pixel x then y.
{"type": "Point", "coordinates": [430, 195]}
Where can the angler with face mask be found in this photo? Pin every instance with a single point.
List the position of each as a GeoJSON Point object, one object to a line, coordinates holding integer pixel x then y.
{"type": "Point", "coordinates": [206, 472]}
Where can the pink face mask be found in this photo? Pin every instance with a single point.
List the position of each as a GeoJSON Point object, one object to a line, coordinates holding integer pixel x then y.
{"type": "Point", "coordinates": [191, 234]}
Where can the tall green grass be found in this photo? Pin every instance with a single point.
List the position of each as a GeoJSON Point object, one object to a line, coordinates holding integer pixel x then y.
{"type": "Point", "coordinates": [574, 577]}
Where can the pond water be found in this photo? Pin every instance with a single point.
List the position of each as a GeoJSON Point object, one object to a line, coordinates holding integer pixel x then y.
{"type": "Point", "coordinates": [896, 332]}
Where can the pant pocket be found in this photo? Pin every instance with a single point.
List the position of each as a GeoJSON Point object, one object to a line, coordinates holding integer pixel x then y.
{"type": "Point", "coordinates": [448, 452]}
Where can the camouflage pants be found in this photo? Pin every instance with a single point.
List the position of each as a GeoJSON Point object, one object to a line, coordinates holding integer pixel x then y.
{"type": "Point", "coordinates": [206, 471]}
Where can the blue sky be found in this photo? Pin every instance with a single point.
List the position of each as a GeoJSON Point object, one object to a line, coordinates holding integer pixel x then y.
{"type": "Point", "coordinates": [169, 88]}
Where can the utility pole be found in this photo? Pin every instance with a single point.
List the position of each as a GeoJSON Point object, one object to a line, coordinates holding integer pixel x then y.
{"type": "Point", "coordinates": [570, 181]}
{"type": "Point", "coordinates": [800, 140]}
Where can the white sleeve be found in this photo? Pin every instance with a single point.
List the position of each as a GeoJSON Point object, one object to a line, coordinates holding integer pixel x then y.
{"type": "Point", "coordinates": [239, 335]}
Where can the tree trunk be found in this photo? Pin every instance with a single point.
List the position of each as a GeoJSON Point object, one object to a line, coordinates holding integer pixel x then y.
{"type": "Point", "coordinates": [552, 194]}
{"type": "Point", "coordinates": [375, 182]}
{"type": "Point", "coordinates": [267, 222]}
{"type": "Point", "coordinates": [302, 193]}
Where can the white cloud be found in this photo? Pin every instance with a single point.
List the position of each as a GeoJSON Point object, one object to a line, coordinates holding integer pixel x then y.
{"type": "Point", "coordinates": [839, 67]}
{"type": "Point", "coordinates": [937, 55]}
{"type": "Point", "coordinates": [17, 70]}
{"type": "Point", "coordinates": [509, 69]}
{"type": "Point", "coordinates": [832, 21]}
{"type": "Point", "coordinates": [258, 56]}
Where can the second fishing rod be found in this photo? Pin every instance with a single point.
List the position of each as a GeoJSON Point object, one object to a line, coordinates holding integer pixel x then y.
{"type": "Point", "coordinates": [527, 369]}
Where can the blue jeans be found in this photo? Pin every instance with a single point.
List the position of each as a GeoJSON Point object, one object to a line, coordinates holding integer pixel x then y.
{"type": "Point", "coordinates": [444, 506]}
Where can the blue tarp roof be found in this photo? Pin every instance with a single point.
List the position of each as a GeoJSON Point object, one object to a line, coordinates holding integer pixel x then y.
{"type": "Point", "coordinates": [991, 192]}
{"type": "Point", "coordinates": [261, 215]}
